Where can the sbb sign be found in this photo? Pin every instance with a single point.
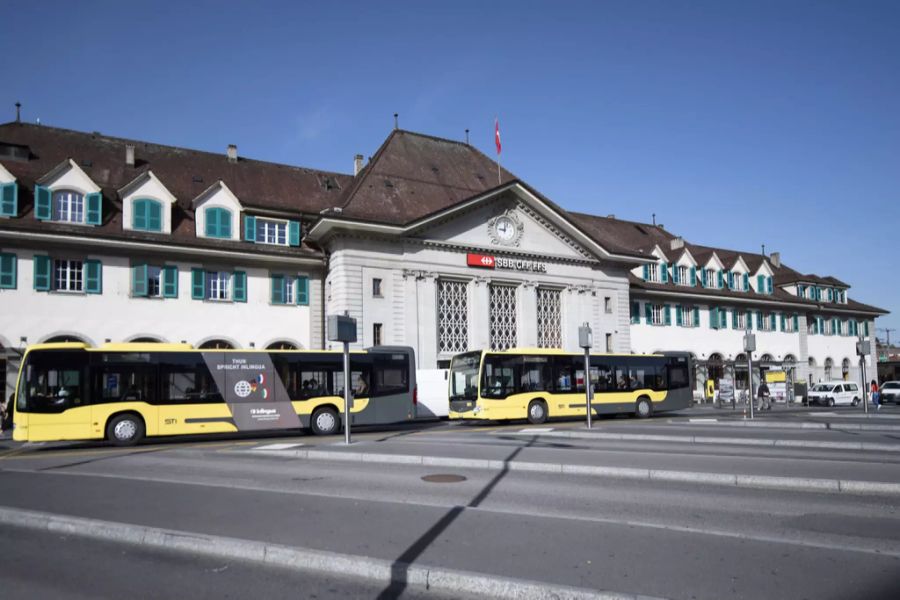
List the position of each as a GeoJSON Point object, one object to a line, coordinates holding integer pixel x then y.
{"type": "Point", "coordinates": [485, 261]}
{"type": "Point", "coordinates": [480, 260]}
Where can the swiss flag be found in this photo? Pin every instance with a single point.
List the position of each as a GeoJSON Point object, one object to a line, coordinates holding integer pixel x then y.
{"type": "Point", "coordinates": [497, 134]}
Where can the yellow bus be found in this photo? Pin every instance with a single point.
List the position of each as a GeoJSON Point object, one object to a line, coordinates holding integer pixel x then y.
{"type": "Point", "coordinates": [539, 384]}
{"type": "Point", "coordinates": [124, 392]}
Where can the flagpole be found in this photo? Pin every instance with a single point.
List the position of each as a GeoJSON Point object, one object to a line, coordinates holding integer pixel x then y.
{"type": "Point", "coordinates": [497, 143]}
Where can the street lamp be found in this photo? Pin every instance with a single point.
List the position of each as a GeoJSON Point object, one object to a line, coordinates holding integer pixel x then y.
{"type": "Point", "coordinates": [863, 348]}
{"type": "Point", "coordinates": [342, 328]}
{"type": "Point", "coordinates": [585, 340]}
{"type": "Point", "coordinates": [750, 348]}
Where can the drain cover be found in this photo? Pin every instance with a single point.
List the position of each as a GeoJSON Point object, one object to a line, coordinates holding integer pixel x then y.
{"type": "Point", "coordinates": [443, 478]}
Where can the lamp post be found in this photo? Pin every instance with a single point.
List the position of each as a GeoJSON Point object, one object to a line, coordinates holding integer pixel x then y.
{"type": "Point", "coordinates": [342, 328]}
{"type": "Point", "coordinates": [585, 340]}
{"type": "Point", "coordinates": [863, 347]}
{"type": "Point", "coordinates": [749, 348]}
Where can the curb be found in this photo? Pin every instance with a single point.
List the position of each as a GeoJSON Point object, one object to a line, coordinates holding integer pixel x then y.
{"type": "Point", "coordinates": [702, 439]}
{"type": "Point", "coordinates": [798, 484]}
{"type": "Point", "coordinates": [420, 578]}
{"type": "Point", "coordinates": [788, 425]}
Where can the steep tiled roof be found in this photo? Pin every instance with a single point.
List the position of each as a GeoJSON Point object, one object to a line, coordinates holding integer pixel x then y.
{"type": "Point", "coordinates": [414, 175]}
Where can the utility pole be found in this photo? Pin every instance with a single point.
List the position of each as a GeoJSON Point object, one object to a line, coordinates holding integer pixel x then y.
{"type": "Point", "coordinates": [887, 333]}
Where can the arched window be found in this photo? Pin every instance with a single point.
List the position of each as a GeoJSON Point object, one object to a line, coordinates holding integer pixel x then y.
{"type": "Point", "coordinates": [218, 223]}
{"type": "Point", "coordinates": [146, 215]}
{"type": "Point", "coordinates": [64, 338]}
{"type": "Point", "coordinates": [281, 345]}
{"type": "Point", "coordinates": [146, 340]}
{"type": "Point", "coordinates": [68, 205]}
{"type": "Point", "coordinates": [828, 365]}
{"type": "Point", "coordinates": [216, 345]}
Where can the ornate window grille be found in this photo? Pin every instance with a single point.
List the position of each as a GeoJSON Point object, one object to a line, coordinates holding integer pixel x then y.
{"type": "Point", "coordinates": [503, 316]}
{"type": "Point", "coordinates": [549, 318]}
{"type": "Point", "coordinates": [453, 316]}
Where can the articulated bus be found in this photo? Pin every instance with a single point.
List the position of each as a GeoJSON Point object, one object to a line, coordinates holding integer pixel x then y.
{"type": "Point", "coordinates": [538, 384]}
{"type": "Point", "coordinates": [123, 392]}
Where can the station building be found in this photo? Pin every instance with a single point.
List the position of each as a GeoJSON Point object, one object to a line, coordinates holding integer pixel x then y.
{"type": "Point", "coordinates": [428, 244]}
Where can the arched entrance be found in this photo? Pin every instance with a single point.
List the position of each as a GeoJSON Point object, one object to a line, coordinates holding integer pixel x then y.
{"type": "Point", "coordinates": [845, 369]}
{"type": "Point", "coordinates": [715, 367]}
{"type": "Point", "coordinates": [216, 345]}
{"type": "Point", "coordinates": [146, 340]}
{"type": "Point", "coordinates": [65, 338]}
{"type": "Point", "coordinates": [829, 365]}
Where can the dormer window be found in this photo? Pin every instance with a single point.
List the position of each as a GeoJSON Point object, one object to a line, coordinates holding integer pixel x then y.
{"type": "Point", "coordinates": [651, 272]}
{"type": "Point", "coordinates": [218, 223]}
{"type": "Point", "coordinates": [68, 206]}
{"type": "Point", "coordinates": [684, 275]}
{"type": "Point", "coordinates": [271, 231]}
{"type": "Point", "coordinates": [146, 215]}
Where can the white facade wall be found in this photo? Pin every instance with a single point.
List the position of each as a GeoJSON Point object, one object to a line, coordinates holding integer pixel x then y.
{"type": "Point", "coordinates": [117, 316]}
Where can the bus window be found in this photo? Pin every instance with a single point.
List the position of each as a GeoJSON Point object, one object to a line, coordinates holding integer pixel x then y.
{"type": "Point", "coordinates": [464, 376]}
{"type": "Point", "coordinates": [602, 376]}
{"type": "Point", "coordinates": [535, 374]}
{"type": "Point", "coordinates": [54, 382]}
{"type": "Point", "coordinates": [678, 376]}
{"type": "Point", "coordinates": [123, 384]}
{"type": "Point", "coordinates": [391, 374]}
{"type": "Point", "coordinates": [500, 376]}
{"type": "Point", "coordinates": [186, 379]}
{"type": "Point", "coordinates": [563, 375]}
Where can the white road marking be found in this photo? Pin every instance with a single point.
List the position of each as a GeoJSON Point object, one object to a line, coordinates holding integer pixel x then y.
{"type": "Point", "coordinates": [537, 430]}
{"type": "Point", "coordinates": [703, 420]}
{"type": "Point", "coordinates": [276, 447]}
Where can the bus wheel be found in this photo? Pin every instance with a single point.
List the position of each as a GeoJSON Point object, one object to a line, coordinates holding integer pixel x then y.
{"type": "Point", "coordinates": [125, 430]}
{"type": "Point", "coordinates": [537, 412]}
{"type": "Point", "coordinates": [324, 422]}
{"type": "Point", "coordinates": [643, 408]}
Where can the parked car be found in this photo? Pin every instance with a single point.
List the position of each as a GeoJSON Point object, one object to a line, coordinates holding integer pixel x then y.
{"type": "Point", "coordinates": [890, 392]}
{"type": "Point", "coordinates": [832, 393]}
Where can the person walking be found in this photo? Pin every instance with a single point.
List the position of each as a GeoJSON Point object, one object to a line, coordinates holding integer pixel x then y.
{"type": "Point", "coordinates": [763, 393]}
{"type": "Point", "coordinates": [876, 396]}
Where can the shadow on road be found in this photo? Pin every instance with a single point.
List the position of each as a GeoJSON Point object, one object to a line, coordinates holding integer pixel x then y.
{"type": "Point", "coordinates": [400, 567]}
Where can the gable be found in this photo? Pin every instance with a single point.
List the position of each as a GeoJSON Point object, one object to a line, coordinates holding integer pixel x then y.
{"type": "Point", "coordinates": [5, 176]}
{"type": "Point", "coordinates": [686, 259]}
{"type": "Point", "coordinates": [69, 176]}
{"type": "Point", "coordinates": [217, 196]}
{"type": "Point", "coordinates": [504, 224]}
{"type": "Point", "coordinates": [147, 186]}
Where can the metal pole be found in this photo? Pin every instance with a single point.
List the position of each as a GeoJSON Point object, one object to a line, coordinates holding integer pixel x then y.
{"type": "Point", "coordinates": [347, 398]}
{"type": "Point", "coordinates": [865, 385]}
{"type": "Point", "coordinates": [750, 381]}
{"type": "Point", "coordinates": [587, 383]}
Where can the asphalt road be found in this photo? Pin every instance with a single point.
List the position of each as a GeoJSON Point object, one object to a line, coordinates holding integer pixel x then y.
{"type": "Point", "coordinates": [665, 539]}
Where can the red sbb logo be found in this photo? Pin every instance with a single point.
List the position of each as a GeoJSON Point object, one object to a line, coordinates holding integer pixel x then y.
{"type": "Point", "coordinates": [485, 261]}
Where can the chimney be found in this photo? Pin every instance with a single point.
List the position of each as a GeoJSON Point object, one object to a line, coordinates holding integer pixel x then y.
{"type": "Point", "coordinates": [775, 258]}
{"type": "Point", "coordinates": [232, 153]}
{"type": "Point", "coordinates": [676, 243]}
{"type": "Point", "coordinates": [357, 164]}
{"type": "Point", "coordinates": [129, 155]}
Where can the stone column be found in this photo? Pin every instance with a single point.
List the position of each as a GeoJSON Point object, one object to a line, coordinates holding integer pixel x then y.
{"type": "Point", "coordinates": [411, 313]}
{"type": "Point", "coordinates": [426, 288]}
{"type": "Point", "coordinates": [527, 315]}
{"type": "Point", "coordinates": [479, 315]}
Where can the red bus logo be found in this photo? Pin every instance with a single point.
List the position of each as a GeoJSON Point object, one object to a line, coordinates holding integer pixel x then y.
{"type": "Point", "coordinates": [485, 261]}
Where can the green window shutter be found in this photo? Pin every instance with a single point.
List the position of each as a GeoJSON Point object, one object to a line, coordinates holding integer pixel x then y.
{"type": "Point", "coordinates": [664, 272]}
{"type": "Point", "coordinates": [94, 208]}
{"type": "Point", "coordinates": [723, 319]}
{"type": "Point", "coordinates": [696, 317]}
{"type": "Point", "coordinates": [277, 289]}
{"type": "Point", "coordinates": [667, 314]}
{"type": "Point", "coordinates": [240, 286]}
{"type": "Point", "coordinates": [734, 319]}
{"type": "Point", "coordinates": [211, 228]}
{"type": "Point", "coordinates": [42, 273]}
{"type": "Point", "coordinates": [648, 313]}
{"type": "Point", "coordinates": [302, 294]}
{"type": "Point", "coordinates": [830, 295]}
{"type": "Point", "coordinates": [720, 279]}
{"type": "Point", "coordinates": [820, 325]}
{"type": "Point", "coordinates": [250, 228]}
{"type": "Point", "coordinates": [770, 281]}
{"type": "Point", "coordinates": [170, 281]}
{"type": "Point", "coordinates": [42, 203]}
{"type": "Point", "coordinates": [783, 322]}
{"type": "Point", "coordinates": [760, 284]}
{"type": "Point", "coordinates": [714, 318]}
{"type": "Point", "coordinates": [9, 199]}
{"type": "Point", "coordinates": [746, 282]}
{"type": "Point", "coordinates": [154, 215]}
{"type": "Point", "coordinates": [675, 278]}
{"type": "Point", "coordinates": [294, 233]}
{"type": "Point", "coordinates": [139, 287]}
{"type": "Point", "coordinates": [730, 280]}
{"type": "Point", "coordinates": [8, 271]}
{"type": "Point", "coordinates": [772, 322]}
{"type": "Point", "coordinates": [694, 276]}
{"type": "Point", "coordinates": [679, 320]}
{"type": "Point", "coordinates": [93, 277]}
{"type": "Point", "coordinates": [796, 322]}
{"type": "Point", "coordinates": [646, 272]}
{"type": "Point", "coordinates": [139, 214]}
{"type": "Point", "coordinates": [866, 328]}
{"type": "Point", "coordinates": [224, 223]}
{"type": "Point", "coordinates": [198, 284]}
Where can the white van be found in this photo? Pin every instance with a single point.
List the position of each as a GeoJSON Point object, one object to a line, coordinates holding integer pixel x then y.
{"type": "Point", "coordinates": [832, 393]}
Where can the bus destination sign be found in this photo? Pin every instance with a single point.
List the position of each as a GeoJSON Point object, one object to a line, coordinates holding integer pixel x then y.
{"type": "Point", "coordinates": [486, 261]}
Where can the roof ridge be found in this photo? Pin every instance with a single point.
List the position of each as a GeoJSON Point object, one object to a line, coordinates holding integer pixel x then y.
{"type": "Point", "coordinates": [367, 171]}
{"type": "Point", "coordinates": [97, 134]}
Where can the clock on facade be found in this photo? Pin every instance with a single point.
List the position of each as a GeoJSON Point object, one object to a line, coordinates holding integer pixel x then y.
{"type": "Point", "coordinates": [505, 229]}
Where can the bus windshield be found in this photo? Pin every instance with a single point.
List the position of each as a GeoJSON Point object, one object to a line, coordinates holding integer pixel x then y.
{"type": "Point", "coordinates": [464, 376]}
{"type": "Point", "coordinates": [53, 381]}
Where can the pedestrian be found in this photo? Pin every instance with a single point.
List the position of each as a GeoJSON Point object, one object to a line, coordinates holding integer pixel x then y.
{"type": "Point", "coordinates": [876, 396]}
{"type": "Point", "coordinates": [762, 393]}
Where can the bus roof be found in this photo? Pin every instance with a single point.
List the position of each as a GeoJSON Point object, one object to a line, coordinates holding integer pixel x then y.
{"type": "Point", "coordinates": [184, 347]}
{"type": "Point", "coordinates": [556, 352]}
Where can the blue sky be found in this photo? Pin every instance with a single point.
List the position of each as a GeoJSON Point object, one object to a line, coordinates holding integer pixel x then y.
{"type": "Point", "coordinates": [737, 123]}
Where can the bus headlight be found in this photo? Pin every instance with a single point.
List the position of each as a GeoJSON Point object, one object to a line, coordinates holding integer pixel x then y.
{"type": "Point", "coordinates": [476, 410]}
